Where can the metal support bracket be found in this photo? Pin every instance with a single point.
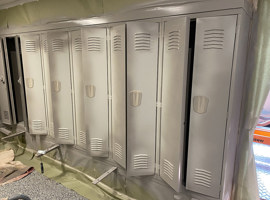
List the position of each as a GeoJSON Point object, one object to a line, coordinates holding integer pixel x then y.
{"type": "Point", "coordinates": [104, 175]}
{"type": "Point", "coordinates": [12, 136]}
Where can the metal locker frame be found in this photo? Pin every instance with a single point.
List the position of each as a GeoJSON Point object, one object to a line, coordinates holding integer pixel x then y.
{"type": "Point", "coordinates": [34, 84]}
{"type": "Point", "coordinates": [142, 64]}
{"type": "Point", "coordinates": [61, 87]}
{"type": "Point", "coordinates": [96, 90]}
{"type": "Point", "coordinates": [175, 61]}
{"type": "Point", "coordinates": [214, 47]}
{"type": "Point", "coordinates": [76, 49]}
{"type": "Point", "coordinates": [118, 74]}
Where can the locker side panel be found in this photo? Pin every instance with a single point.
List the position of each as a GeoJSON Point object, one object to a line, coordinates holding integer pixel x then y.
{"type": "Point", "coordinates": [142, 56]}
{"type": "Point", "coordinates": [118, 73]}
{"type": "Point", "coordinates": [214, 47]}
{"type": "Point", "coordinates": [176, 39]}
{"type": "Point", "coordinates": [34, 84]}
{"type": "Point", "coordinates": [95, 90]}
{"type": "Point", "coordinates": [61, 87]}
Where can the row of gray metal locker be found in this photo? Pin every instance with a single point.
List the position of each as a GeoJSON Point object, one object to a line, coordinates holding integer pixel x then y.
{"type": "Point", "coordinates": [97, 74]}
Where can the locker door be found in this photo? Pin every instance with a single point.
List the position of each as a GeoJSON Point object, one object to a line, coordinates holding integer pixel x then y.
{"type": "Point", "coordinates": [95, 88]}
{"type": "Point", "coordinates": [6, 114]}
{"type": "Point", "coordinates": [61, 87]}
{"type": "Point", "coordinates": [213, 59]}
{"type": "Point", "coordinates": [78, 87]}
{"type": "Point", "coordinates": [142, 56]}
{"type": "Point", "coordinates": [118, 70]}
{"type": "Point", "coordinates": [176, 39]}
{"type": "Point", "coordinates": [34, 84]}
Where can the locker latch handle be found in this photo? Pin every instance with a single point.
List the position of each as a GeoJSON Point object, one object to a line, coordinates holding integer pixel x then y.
{"type": "Point", "coordinates": [200, 104]}
{"type": "Point", "coordinates": [135, 97]}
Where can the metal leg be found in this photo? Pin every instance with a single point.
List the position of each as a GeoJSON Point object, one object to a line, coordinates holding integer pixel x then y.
{"type": "Point", "coordinates": [96, 181]}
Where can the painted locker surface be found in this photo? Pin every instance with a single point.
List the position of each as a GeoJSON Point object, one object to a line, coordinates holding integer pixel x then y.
{"type": "Point", "coordinates": [176, 39]}
{"type": "Point", "coordinates": [118, 73]}
{"type": "Point", "coordinates": [213, 58]}
{"type": "Point", "coordinates": [76, 42]}
{"type": "Point", "coordinates": [142, 57]}
{"type": "Point", "coordinates": [4, 97]}
{"type": "Point", "coordinates": [61, 87]}
{"type": "Point", "coordinates": [34, 85]}
{"type": "Point", "coordinates": [95, 89]}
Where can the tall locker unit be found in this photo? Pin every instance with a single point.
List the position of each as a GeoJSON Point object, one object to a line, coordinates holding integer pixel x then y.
{"type": "Point", "coordinates": [60, 76]}
{"type": "Point", "coordinates": [76, 45]}
{"type": "Point", "coordinates": [142, 57]}
{"type": "Point", "coordinates": [214, 47]}
{"type": "Point", "coordinates": [176, 37]}
{"type": "Point", "coordinates": [6, 114]}
{"type": "Point", "coordinates": [34, 84]}
{"type": "Point", "coordinates": [95, 88]}
{"type": "Point", "coordinates": [118, 74]}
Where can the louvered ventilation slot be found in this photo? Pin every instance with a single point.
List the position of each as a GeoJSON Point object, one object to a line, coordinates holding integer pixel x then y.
{"type": "Point", "coordinates": [30, 46]}
{"type": "Point", "coordinates": [142, 41]}
{"type": "Point", "coordinates": [168, 169]}
{"type": "Point", "coordinates": [37, 125]}
{"type": "Point", "coordinates": [78, 44]}
{"type": "Point", "coordinates": [6, 115]}
{"type": "Point", "coordinates": [117, 41]}
{"type": "Point", "coordinates": [174, 39]}
{"type": "Point", "coordinates": [57, 45]}
{"type": "Point", "coordinates": [213, 39]}
{"type": "Point", "coordinates": [63, 133]}
{"type": "Point", "coordinates": [96, 144]}
{"type": "Point", "coordinates": [140, 161]}
{"type": "Point", "coordinates": [203, 178]}
{"type": "Point", "coordinates": [118, 151]}
{"type": "Point", "coordinates": [82, 137]}
{"type": "Point", "coordinates": [94, 44]}
{"type": "Point", "coordinates": [45, 45]}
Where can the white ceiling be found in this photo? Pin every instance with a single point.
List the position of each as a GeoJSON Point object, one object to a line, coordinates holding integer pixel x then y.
{"type": "Point", "coordinates": [4, 4]}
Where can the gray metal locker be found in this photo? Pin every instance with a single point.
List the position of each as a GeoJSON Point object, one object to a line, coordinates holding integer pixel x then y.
{"type": "Point", "coordinates": [142, 57]}
{"type": "Point", "coordinates": [60, 76]}
{"type": "Point", "coordinates": [214, 47]}
{"type": "Point", "coordinates": [76, 45]}
{"type": "Point", "coordinates": [95, 90]}
{"type": "Point", "coordinates": [118, 73]}
{"type": "Point", "coordinates": [34, 84]}
{"type": "Point", "coordinates": [6, 114]}
{"type": "Point", "coordinates": [175, 57]}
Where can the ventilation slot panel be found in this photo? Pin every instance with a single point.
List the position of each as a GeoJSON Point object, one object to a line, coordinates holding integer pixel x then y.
{"type": "Point", "coordinates": [168, 168]}
{"type": "Point", "coordinates": [213, 39]}
{"type": "Point", "coordinates": [45, 46]}
{"type": "Point", "coordinates": [63, 133]}
{"type": "Point", "coordinates": [6, 115]}
{"type": "Point", "coordinates": [57, 45]}
{"type": "Point", "coordinates": [174, 39]}
{"type": "Point", "coordinates": [118, 151]}
{"type": "Point", "coordinates": [140, 161]}
{"type": "Point", "coordinates": [117, 41]}
{"type": "Point", "coordinates": [203, 178]}
{"type": "Point", "coordinates": [82, 137]}
{"type": "Point", "coordinates": [142, 41]}
{"type": "Point", "coordinates": [37, 125]}
{"type": "Point", "coordinates": [78, 44]}
{"type": "Point", "coordinates": [94, 44]}
{"type": "Point", "coordinates": [96, 144]}
{"type": "Point", "coordinates": [30, 46]}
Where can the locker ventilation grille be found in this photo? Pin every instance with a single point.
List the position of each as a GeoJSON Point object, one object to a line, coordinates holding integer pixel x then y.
{"type": "Point", "coordinates": [6, 116]}
{"type": "Point", "coordinates": [142, 41]}
{"type": "Point", "coordinates": [174, 40]}
{"type": "Point", "coordinates": [168, 168]}
{"type": "Point", "coordinates": [213, 39]}
{"type": "Point", "coordinates": [140, 161]}
{"type": "Point", "coordinates": [82, 137]}
{"type": "Point", "coordinates": [30, 46]}
{"type": "Point", "coordinates": [118, 151]}
{"type": "Point", "coordinates": [203, 178]}
{"type": "Point", "coordinates": [45, 45]}
{"type": "Point", "coordinates": [94, 44]}
{"type": "Point", "coordinates": [57, 45]}
{"type": "Point", "coordinates": [78, 44]}
{"type": "Point", "coordinates": [117, 43]}
{"type": "Point", "coordinates": [37, 125]}
{"type": "Point", "coordinates": [96, 144]}
{"type": "Point", "coordinates": [63, 133]}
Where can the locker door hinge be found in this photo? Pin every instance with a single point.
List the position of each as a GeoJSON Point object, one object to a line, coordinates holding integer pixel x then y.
{"type": "Point", "coordinates": [159, 105]}
{"type": "Point", "coordinates": [109, 97]}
